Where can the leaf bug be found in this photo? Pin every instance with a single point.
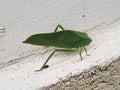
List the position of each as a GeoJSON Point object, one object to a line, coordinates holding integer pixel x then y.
{"type": "Point", "coordinates": [65, 40]}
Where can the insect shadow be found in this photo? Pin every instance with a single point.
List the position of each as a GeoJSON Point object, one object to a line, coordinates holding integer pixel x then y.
{"type": "Point", "coordinates": [63, 41]}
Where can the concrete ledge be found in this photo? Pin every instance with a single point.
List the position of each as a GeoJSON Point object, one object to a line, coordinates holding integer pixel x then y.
{"type": "Point", "coordinates": [97, 78]}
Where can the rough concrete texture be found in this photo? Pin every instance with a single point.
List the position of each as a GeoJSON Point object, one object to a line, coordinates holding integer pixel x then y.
{"type": "Point", "coordinates": [97, 78]}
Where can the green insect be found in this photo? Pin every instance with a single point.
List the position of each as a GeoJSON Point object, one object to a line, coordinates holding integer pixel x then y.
{"type": "Point", "coordinates": [65, 40]}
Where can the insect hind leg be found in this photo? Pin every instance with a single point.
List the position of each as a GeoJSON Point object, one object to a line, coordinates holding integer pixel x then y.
{"type": "Point", "coordinates": [86, 51]}
{"type": "Point", "coordinates": [59, 26]}
{"type": "Point", "coordinates": [56, 50]}
{"type": "Point", "coordinates": [44, 65]}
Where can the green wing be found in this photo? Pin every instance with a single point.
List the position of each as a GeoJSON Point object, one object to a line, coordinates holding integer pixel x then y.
{"type": "Point", "coordinates": [46, 39]}
{"type": "Point", "coordinates": [62, 39]}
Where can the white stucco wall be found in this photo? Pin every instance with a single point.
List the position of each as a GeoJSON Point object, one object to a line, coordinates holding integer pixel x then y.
{"type": "Point", "coordinates": [25, 17]}
{"type": "Point", "coordinates": [21, 18]}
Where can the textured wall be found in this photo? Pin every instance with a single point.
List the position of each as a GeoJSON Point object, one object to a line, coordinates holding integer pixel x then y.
{"type": "Point", "coordinates": [22, 18]}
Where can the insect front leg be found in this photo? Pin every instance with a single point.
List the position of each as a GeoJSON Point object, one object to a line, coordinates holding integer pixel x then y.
{"type": "Point", "coordinates": [59, 26]}
{"type": "Point", "coordinates": [86, 51]}
{"type": "Point", "coordinates": [80, 52]}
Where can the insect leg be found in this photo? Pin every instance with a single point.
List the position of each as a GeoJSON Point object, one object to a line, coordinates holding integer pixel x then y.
{"type": "Point", "coordinates": [59, 26]}
{"type": "Point", "coordinates": [86, 51]}
{"type": "Point", "coordinates": [56, 50]}
{"type": "Point", "coordinates": [46, 61]}
{"type": "Point", "coordinates": [80, 52]}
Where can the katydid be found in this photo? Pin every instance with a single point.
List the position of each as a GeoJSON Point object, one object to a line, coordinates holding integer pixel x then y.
{"type": "Point", "coordinates": [65, 40]}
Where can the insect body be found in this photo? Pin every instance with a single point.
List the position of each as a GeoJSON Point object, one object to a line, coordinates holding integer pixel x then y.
{"type": "Point", "coordinates": [65, 40]}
